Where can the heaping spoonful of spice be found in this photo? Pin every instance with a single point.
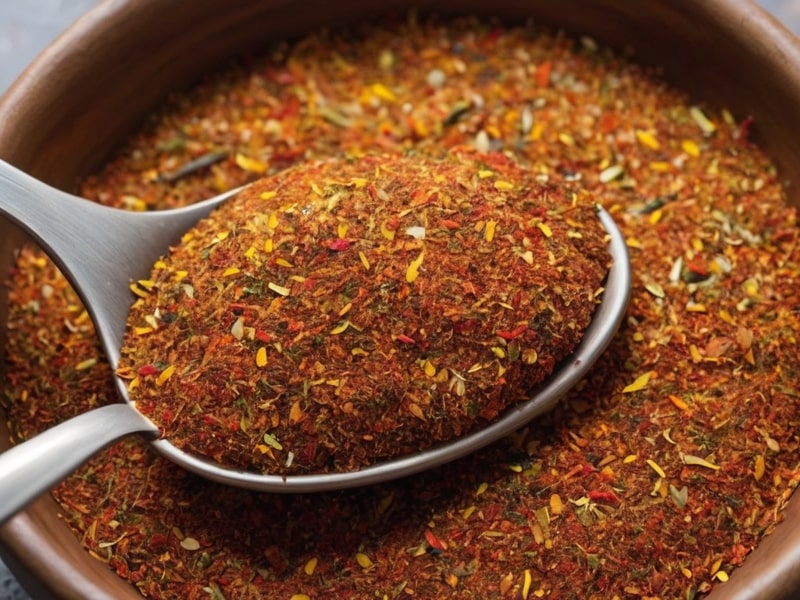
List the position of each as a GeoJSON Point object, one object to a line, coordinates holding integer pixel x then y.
{"type": "Point", "coordinates": [338, 324]}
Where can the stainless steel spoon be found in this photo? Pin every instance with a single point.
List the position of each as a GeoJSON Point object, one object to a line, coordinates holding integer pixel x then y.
{"type": "Point", "coordinates": [100, 250]}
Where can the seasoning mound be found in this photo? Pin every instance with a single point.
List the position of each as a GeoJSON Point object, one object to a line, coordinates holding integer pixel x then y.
{"type": "Point", "coordinates": [349, 311]}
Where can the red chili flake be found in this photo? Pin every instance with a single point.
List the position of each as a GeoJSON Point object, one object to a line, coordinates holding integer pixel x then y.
{"type": "Point", "coordinates": [697, 266]}
{"type": "Point", "coordinates": [338, 244]}
{"type": "Point", "coordinates": [543, 72]}
{"type": "Point", "coordinates": [293, 325]}
{"type": "Point", "coordinates": [290, 108]}
{"type": "Point", "coordinates": [607, 497]}
{"type": "Point", "coordinates": [609, 122]}
{"type": "Point", "coordinates": [373, 192]}
{"type": "Point", "coordinates": [308, 452]}
{"type": "Point", "coordinates": [434, 541]}
{"type": "Point", "coordinates": [392, 223]}
{"type": "Point", "coordinates": [147, 370]}
{"type": "Point", "coordinates": [157, 542]}
{"type": "Point", "coordinates": [405, 339]}
{"type": "Point", "coordinates": [263, 336]}
{"type": "Point", "coordinates": [466, 325]}
{"type": "Point", "coordinates": [282, 77]}
{"type": "Point", "coordinates": [285, 159]}
{"type": "Point", "coordinates": [515, 333]}
{"type": "Point", "coordinates": [450, 224]}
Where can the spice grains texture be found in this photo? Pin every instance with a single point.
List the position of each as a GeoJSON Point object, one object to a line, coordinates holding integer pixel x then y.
{"type": "Point", "coordinates": [344, 312]}
{"type": "Point", "coordinates": [655, 478]}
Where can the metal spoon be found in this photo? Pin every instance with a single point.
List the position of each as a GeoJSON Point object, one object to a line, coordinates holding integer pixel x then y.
{"type": "Point", "coordinates": [100, 250]}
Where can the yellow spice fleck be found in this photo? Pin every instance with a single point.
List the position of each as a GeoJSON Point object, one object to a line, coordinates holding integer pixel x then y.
{"type": "Point", "coordinates": [638, 384]}
{"type": "Point", "coordinates": [364, 561]}
{"type": "Point", "coordinates": [656, 215]}
{"type": "Point", "coordinates": [386, 232]}
{"type": "Point", "coordinates": [261, 357]}
{"type": "Point", "coordinates": [657, 468]}
{"type": "Point", "coordinates": [493, 131]}
{"type": "Point", "coordinates": [647, 138]}
{"type": "Point", "coordinates": [660, 166]}
{"type": "Point", "coordinates": [363, 258]}
{"type": "Point", "coordinates": [759, 468]}
{"type": "Point", "coordinates": [690, 148]}
{"type": "Point", "coordinates": [138, 291]}
{"type": "Point", "coordinates": [341, 328]}
{"type": "Point", "coordinates": [545, 229]}
{"type": "Point", "coordinates": [526, 583]}
{"type": "Point", "coordinates": [412, 272]}
{"type": "Point", "coordinates": [489, 231]}
{"type": "Point", "coordinates": [311, 566]}
{"type": "Point", "coordinates": [164, 376]}
{"type": "Point", "coordinates": [250, 164]}
{"type": "Point", "coordinates": [383, 92]}
{"type": "Point", "coordinates": [566, 139]}
{"type": "Point", "coordinates": [86, 364]}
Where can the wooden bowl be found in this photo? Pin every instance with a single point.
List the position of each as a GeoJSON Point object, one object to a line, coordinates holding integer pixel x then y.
{"type": "Point", "coordinates": [89, 89]}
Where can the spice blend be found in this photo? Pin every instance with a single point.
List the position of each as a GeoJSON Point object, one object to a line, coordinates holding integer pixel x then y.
{"type": "Point", "coordinates": [344, 312]}
{"type": "Point", "coordinates": [655, 477]}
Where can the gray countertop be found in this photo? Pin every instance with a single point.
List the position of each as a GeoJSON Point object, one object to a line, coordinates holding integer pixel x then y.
{"type": "Point", "coordinates": [27, 26]}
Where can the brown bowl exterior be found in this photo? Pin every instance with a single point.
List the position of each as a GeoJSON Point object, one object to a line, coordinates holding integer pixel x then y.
{"type": "Point", "coordinates": [91, 87]}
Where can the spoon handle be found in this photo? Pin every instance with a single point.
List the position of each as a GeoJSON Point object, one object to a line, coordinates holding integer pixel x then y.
{"type": "Point", "coordinates": [99, 249]}
{"type": "Point", "coordinates": [31, 468]}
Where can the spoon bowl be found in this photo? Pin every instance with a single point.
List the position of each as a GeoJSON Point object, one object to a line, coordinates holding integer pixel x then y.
{"type": "Point", "coordinates": [100, 250]}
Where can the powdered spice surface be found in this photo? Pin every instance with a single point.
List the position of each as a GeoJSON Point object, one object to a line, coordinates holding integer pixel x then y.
{"type": "Point", "coordinates": [654, 478]}
{"type": "Point", "coordinates": [348, 311]}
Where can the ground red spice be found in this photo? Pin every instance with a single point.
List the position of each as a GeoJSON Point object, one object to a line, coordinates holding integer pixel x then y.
{"type": "Point", "coordinates": [655, 478]}
{"type": "Point", "coordinates": [345, 312]}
